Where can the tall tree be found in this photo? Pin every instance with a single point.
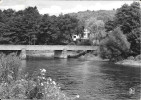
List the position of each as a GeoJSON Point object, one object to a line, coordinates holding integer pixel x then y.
{"type": "Point", "coordinates": [128, 17]}
{"type": "Point", "coordinates": [29, 27]}
{"type": "Point", "coordinates": [96, 28]}
{"type": "Point", "coordinates": [21, 26]}
{"type": "Point", "coordinates": [110, 25]}
{"type": "Point", "coordinates": [116, 43]}
{"type": "Point", "coordinates": [68, 26]}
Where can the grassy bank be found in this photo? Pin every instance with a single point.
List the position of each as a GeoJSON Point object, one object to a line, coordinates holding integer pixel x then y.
{"type": "Point", "coordinates": [131, 61]}
{"type": "Point", "coordinates": [13, 85]}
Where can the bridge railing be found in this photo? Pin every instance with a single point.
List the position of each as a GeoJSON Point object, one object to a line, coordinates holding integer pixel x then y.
{"type": "Point", "coordinates": [47, 47]}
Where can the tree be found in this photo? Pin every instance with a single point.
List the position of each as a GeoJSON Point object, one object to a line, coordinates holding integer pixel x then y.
{"type": "Point", "coordinates": [96, 28]}
{"type": "Point", "coordinates": [48, 30]}
{"type": "Point", "coordinates": [128, 17]}
{"type": "Point", "coordinates": [58, 30]}
{"type": "Point", "coordinates": [8, 14]}
{"type": "Point", "coordinates": [68, 26]}
{"type": "Point", "coordinates": [134, 38]}
{"type": "Point", "coordinates": [116, 44]}
{"type": "Point", "coordinates": [21, 26]}
{"type": "Point", "coordinates": [109, 25]}
{"type": "Point", "coordinates": [32, 20]}
{"type": "Point", "coordinates": [29, 27]}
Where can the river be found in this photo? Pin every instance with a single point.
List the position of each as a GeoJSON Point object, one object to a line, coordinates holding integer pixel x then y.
{"type": "Point", "coordinates": [92, 80]}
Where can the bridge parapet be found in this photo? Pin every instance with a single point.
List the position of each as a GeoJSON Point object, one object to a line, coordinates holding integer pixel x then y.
{"type": "Point", "coordinates": [60, 51]}
{"type": "Point", "coordinates": [47, 47]}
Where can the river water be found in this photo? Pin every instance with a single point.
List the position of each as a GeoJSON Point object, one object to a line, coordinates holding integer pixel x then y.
{"type": "Point", "coordinates": [92, 80]}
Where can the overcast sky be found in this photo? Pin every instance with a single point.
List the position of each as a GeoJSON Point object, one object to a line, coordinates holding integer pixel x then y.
{"type": "Point", "coordinates": [55, 7]}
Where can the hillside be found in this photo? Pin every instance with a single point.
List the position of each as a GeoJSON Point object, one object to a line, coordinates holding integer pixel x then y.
{"type": "Point", "coordinates": [100, 15]}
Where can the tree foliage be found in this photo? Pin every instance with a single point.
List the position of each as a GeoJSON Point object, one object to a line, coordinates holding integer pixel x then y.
{"type": "Point", "coordinates": [96, 28]}
{"type": "Point", "coordinates": [116, 45]}
{"type": "Point", "coordinates": [128, 18]}
{"type": "Point", "coordinates": [29, 27]}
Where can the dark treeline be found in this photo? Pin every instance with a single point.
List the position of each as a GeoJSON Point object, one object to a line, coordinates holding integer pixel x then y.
{"type": "Point", "coordinates": [124, 33]}
{"type": "Point", "coordinates": [29, 27]}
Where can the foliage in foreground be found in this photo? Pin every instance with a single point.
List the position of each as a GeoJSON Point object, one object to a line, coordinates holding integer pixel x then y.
{"type": "Point", "coordinates": [13, 86]}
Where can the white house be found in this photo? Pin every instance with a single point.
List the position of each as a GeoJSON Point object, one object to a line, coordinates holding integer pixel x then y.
{"type": "Point", "coordinates": [75, 37]}
{"type": "Point", "coordinates": [85, 36]}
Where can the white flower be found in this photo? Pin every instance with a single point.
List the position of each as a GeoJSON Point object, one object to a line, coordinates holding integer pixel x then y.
{"type": "Point", "coordinates": [43, 78]}
{"type": "Point", "coordinates": [42, 84]}
{"type": "Point", "coordinates": [47, 82]}
{"type": "Point", "coordinates": [49, 79]}
{"type": "Point", "coordinates": [43, 70]}
{"type": "Point", "coordinates": [77, 96]}
{"type": "Point", "coordinates": [54, 82]}
{"type": "Point", "coordinates": [131, 90]}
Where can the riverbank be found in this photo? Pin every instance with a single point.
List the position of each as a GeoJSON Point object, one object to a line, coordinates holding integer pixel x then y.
{"type": "Point", "coordinates": [90, 56]}
{"type": "Point", "coordinates": [130, 63]}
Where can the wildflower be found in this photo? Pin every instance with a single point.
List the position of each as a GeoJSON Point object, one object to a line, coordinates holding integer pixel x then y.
{"type": "Point", "coordinates": [43, 78]}
{"type": "Point", "coordinates": [43, 71]}
{"type": "Point", "coordinates": [77, 96]}
{"type": "Point", "coordinates": [54, 82]}
{"type": "Point", "coordinates": [42, 84]}
{"type": "Point", "coordinates": [49, 79]}
{"type": "Point", "coordinates": [47, 82]}
{"type": "Point", "coordinates": [131, 90]}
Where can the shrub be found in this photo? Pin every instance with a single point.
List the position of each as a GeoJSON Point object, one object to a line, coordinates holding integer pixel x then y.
{"type": "Point", "coordinates": [138, 57]}
{"type": "Point", "coordinates": [9, 66]}
{"type": "Point", "coordinates": [37, 87]}
{"type": "Point", "coordinates": [115, 44]}
{"type": "Point", "coordinates": [131, 58]}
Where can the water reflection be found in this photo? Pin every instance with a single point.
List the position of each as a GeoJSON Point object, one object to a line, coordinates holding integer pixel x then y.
{"type": "Point", "coordinates": [91, 79]}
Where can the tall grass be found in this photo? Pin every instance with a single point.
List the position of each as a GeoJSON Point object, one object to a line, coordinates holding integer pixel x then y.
{"type": "Point", "coordinates": [15, 86]}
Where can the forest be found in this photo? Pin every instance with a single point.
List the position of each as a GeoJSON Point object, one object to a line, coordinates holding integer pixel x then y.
{"type": "Point", "coordinates": [117, 31]}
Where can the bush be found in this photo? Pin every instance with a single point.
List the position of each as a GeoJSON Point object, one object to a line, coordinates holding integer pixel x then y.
{"type": "Point", "coordinates": [138, 57]}
{"type": "Point", "coordinates": [9, 66]}
{"type": "Point", "coordinates": [37, 87]}
{"type": "Point", "coordinates": [130, 58]}
{"type": "Point", "coordinates": [115, 45]}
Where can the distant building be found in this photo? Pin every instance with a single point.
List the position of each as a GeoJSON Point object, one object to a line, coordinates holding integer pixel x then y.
{"type": "Point", "coordinates": [75, 37]}
{"type": "Point", "coordinates": [85, 36]}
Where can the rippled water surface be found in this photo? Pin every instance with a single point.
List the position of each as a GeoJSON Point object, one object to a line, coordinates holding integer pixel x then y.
{"type": "Point", "coordinates": [92, 80]}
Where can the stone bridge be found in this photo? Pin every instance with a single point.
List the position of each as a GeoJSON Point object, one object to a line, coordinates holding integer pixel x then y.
{"type": "Point", "coordinates": [60, 51]}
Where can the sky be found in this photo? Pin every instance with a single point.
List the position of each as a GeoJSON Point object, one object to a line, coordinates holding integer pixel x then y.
{"type": "Point", "coordinates": [55, 7]}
